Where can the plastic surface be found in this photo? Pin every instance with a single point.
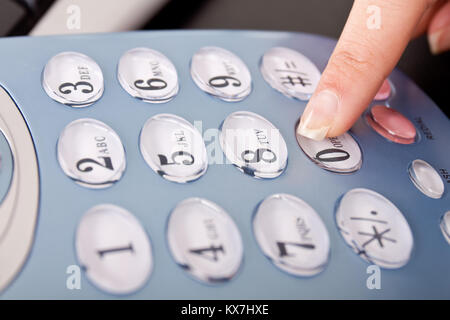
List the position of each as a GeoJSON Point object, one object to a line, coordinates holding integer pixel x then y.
{"type": "Point", "coordinates": [151, 198]}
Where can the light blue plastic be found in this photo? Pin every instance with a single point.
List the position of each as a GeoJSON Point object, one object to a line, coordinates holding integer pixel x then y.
{"type": "Point", "coordinates": [151, 198]}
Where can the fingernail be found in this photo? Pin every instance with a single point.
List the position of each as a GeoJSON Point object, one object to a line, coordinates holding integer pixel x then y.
{"type": "Point", "coordinates": [433, 41]}
{"type": "Point", "coordinates": [319, 115]}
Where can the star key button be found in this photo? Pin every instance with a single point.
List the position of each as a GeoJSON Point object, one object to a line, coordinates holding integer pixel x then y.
{"type": "Point", "coordinates": [375, 228]}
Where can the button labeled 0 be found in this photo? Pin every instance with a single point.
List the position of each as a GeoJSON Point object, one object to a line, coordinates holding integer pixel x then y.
{"type": "Point", "coordinates": [338, 154]}
{"type": "Point", "coordinates": [204, 240]}
{"type": "Point", "coordinates": [91, 153]}
{"type": "Point", "coordinates": [292, 235]}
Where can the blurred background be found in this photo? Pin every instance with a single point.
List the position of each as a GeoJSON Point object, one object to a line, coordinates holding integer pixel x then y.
{"type": "Point", "coordinates": [324, 17]}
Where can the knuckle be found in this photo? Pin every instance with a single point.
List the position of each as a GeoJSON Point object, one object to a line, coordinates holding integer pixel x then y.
{"type": "Point", "coordinates": [358, 62]}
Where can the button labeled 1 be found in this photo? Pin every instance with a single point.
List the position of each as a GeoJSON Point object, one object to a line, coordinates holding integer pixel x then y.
{"type": "Point", "coordinates": [73, 79]}
{"type": "Point", "coordinates": [91, 153]}
{"type": "Point", "coordinates": [338, 154]}
{"type": "Point", "coordinates": [204, 240]}
{"type": "Point", "coordinates": [375, 228]}
{"type": "Point", "coordinates": [292, 235]}
{"type": "Point", "coordinates": [173, 148]}
{"type": "Point", "coordinates": [253, 144]}
{"type": "Point", "coordinates": [221, 73]}
{"type": "Point", "coordinates": [114, 249]}
{"type": "Point", "coordinates": [148, 75]}
{"type": "Point", "coordinates": [290, 72]}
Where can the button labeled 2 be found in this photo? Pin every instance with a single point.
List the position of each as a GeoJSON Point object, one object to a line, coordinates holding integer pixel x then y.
{"type": "Point", "coordinates": [292, 235]}
{"type": "Point", "coordinates": [204, 240]}
{"type": "Point", "coordinates": [91, 153]}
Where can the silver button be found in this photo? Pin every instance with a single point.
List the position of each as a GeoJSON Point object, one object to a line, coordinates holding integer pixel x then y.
{"type": "Point", "coordinates": [338, 154]}
{"type": "Point", "coordinates": [173, 148]}
{"type": "Point", "coordinates": [204, 240]}
{"type": "Point", "coordinates": [290, 72]}
{"type": "Point", "coordinates": [426, 179]}
{"type": "Point", "coordinates": [148, 75]}
{"type": "Point", "coordinates": [73, 79]}
{"type": "Point", "coordinates": [292, 235]}
{"type": "Point", "coordinates": [375, 228]}
{"type": "Point", "coordinates": [91, 153]}
{"type": "Point", "coordinates": [253, 144]}
{"type": "Point", "coordinates": [114, 249]}
{"type": "Point", "coordinates": [445, 226]}
{"type": "Point", "coordinates": [221, 73]}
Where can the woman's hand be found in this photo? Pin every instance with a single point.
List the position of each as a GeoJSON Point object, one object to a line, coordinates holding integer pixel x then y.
{"type": "Point", "coordinates": [372, 42]}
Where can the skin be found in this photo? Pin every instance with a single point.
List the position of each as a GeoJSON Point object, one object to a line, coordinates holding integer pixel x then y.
{"type": "Point", "coordinates": [360, 62]}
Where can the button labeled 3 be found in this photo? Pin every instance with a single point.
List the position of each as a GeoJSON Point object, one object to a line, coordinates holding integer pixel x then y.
{"type": "Point", "coordinates": [221, 73]}
{"type": "Point", "coordinates": [290, 72]}
{"type": "Point", "coordinates": [292, 235]}
{"type": "Point", "coordinates": [253, 144]}
{"type": "Point", "coordinates": [73, 79]}
{"type": "Point", "coordinates": [173, 148]}
{"type": "Point", "coordinates": [114, 249]}
{"type": "Point", "coordinates": [91, 153]}
{"type": "Point", "coordinates": [204, 240]}
{"type": "Point", "coordinates": [375, 228]}
{"type": "Point", "coordinates": [148, 75]}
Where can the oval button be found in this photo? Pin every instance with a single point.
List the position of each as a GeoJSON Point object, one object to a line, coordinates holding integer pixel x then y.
{"type": "Point", "coordinates": [113, 249]}
{"type": "Point", "coordinates": [426, 179]}
{"type": "Point", "coordinates": [290, 72]}
{"type": "Point", "coordinates": [221, 73]}
{"type": "Point", "coordinates": [204, 240]}
{"type": "Point", "coordinates": [292, 235]}
{"type": "Point", "coordinates": [253, 144]}
{"type": "Point", "coordinates": [148, 75]}
{"type": "Point", "coordinates": [91, 153]}
{"type": "Point", "coordinates": [445, 226]}
{"type": "Point", "coordinates": [338, 154]}
{"type": "Point", "coordinates": [391, 124]}
{"type": "Point", "coordinates": [375, 228]}
{"type": "Point", "coordinates": [73, 79]}
{"type": "Point", "coordinates": [173, 148]}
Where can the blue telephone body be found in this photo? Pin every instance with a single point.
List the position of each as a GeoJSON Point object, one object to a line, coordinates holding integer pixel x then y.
{"type": "Point", "coordinates": [60, 235]}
